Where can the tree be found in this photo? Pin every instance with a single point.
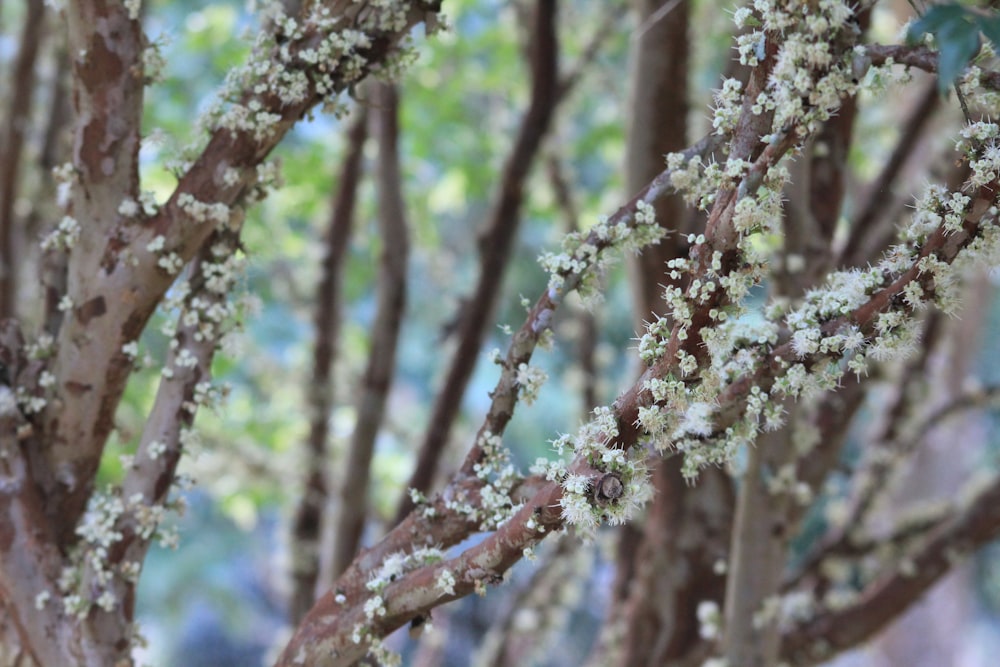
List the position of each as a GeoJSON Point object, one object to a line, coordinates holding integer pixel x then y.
{"type": "Point", "coordinates": [781, 287]}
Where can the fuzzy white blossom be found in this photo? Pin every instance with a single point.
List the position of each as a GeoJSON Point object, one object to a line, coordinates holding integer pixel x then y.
{"type": "Point", "coordinates": [530, 380]}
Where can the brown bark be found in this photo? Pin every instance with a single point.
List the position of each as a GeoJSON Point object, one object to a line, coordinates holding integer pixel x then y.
{"type": "Point", "coordinates": [307, 524]}
{"type": "Point", "coordinates": [352, 507]}
{"type": "Point", "coordinates": [658, 109]}
{"type": "Point", "coordinates": [11, 146]}
{"type": "Point", "coordinates": [831, 632]}
{"type": "Point", "coordinates": [151, 477]}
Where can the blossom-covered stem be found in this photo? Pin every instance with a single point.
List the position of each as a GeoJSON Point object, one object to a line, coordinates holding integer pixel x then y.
{"type": "Point", "coordinates": [722, 245]}
{"type": "Point", "coordinates": [539, 320]}
{"type": "Point", "coordinates": [434, 523]}
{"type": "Point", "coordinates": [118, 529]}
{"type": "Point", "coordinates": [890, 594]}
{"type": "Point", "coordinates": [920, 57]}
{"type": "Point", "coordinates": [105, 49]}
{"type": "Point", "coordinates": [495, 245]}
{"type": "Point", "coordinates": [325, 635]}
{"type": "Point", "coordinates": [922, 277]}
{"type": "Point", "coordinates": [376, 382]}
{"type": "Point", "coordinates": [308, 515]}
{"type": "Point", "coordinates": [314, 61]}
{"type": "Point", "coordinates": [540, 317]}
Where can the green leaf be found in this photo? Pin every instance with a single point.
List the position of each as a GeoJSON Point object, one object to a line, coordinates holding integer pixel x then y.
{"type": "Point", "coordinates": [933, 20]}
{"type": "Point", "coordinates": [956, 30]}
{"type": "Point", "coordinates": [958, 41]}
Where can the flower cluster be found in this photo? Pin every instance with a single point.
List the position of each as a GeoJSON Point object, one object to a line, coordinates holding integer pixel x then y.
{"type": "Point", "coordinates": [93, 579]}
{"type": "Point", "coordinates": [583, 256]}
{"type": "Point", "coordinates": [305, 59]}
{"type": "Point", "coordinates": [530, 380]}
{"type": "Point", "coordinates": [499, 476]}
{"type": "Point", "coordinates": [209, 314]}
{"type": "Point", "coordinates": [399, 563]}
{"type": "Point", "coordinates": [64, 236]}
{"type": "Point", "coordinates": [217, 213]}
{"type": "Point", "coordinates": [624, 488]}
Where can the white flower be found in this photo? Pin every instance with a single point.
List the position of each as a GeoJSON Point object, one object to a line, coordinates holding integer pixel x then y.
{"type": "Point", "coordinates": [445, 582]}
{"type": "Point", "coordinates": [709, 619]}
{"type": "Point", "coordinates": [530, 379]}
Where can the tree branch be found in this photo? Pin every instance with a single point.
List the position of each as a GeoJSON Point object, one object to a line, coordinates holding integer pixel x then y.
{"type": "Point", "coordinates": [112, 562]}
{"type": "Point", "coordinates": [889, 595]}
{"type": "Point", "coordinates": [920, 57]}
{"type": "Point", "coordinates": [12, 144]}
{"type": "Point", "coordinates": [438, 523]}
{"type": "Point", "coordinates": [306, 527]}
{"type": "Point", "coordinates": [377, 380]}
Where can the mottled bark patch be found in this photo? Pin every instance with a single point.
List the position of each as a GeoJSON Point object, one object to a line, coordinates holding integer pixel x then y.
{"type": "Point", "coordinates": [77, 388]}
{"type": "Point", "coordinates": [96, 307]}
